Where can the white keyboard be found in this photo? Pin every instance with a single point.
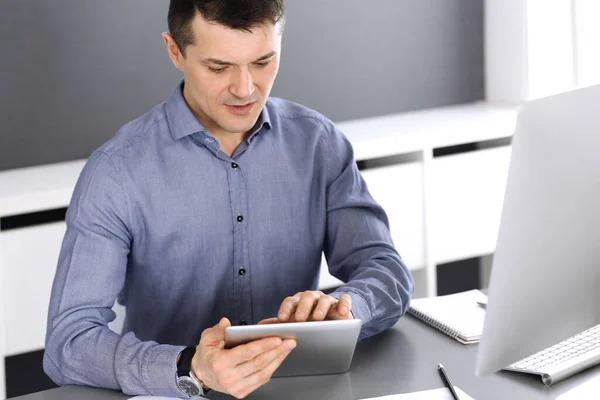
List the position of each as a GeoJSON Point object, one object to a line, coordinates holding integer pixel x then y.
{"type": "Point", "coordinates": [564, 359]}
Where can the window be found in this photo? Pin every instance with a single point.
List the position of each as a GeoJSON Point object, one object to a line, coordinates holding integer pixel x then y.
{"type": "Point", "coordinates": [536, 48]}
{"type": "Point", "coordinates": [586, 14]}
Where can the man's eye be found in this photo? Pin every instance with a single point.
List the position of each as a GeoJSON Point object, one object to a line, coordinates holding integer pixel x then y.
{"type": "Point", "coordinates": [216, 70]}
{"type": "Point", "coordinates": [262, 64]}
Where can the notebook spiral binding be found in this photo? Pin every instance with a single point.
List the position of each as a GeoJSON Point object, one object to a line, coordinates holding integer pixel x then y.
{"type": "Point", "coordinates": [435, 323]}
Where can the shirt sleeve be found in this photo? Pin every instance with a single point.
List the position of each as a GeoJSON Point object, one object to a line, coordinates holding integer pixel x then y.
{"type": "Point", "coordinates": [80, 348]}
{"type": "Point", "coordinates": [358, 244]}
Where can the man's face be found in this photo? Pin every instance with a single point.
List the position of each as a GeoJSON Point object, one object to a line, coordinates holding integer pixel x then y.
{"type": "Point", "coordinates": [228, 73]}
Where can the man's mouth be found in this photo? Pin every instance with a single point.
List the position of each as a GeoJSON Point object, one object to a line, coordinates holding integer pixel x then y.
{"type": "Point", "coordinates": [241, 109]}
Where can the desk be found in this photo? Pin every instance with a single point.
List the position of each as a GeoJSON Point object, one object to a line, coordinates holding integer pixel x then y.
{"type": "Point", "coordinates": [402, 359]}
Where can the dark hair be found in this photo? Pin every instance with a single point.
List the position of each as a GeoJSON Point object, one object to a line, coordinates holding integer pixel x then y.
{"type": "Point", "coordinates": [234, 14]}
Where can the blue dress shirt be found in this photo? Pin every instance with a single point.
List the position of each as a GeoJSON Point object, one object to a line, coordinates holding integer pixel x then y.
{"type": "Point", "coordinates": [183, 234]}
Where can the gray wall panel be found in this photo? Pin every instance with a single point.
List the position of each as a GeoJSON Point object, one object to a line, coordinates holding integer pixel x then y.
{"type": "Point", "coordinates": [73, 71]}
{"type": "Point", "coordinates": [355, 58]}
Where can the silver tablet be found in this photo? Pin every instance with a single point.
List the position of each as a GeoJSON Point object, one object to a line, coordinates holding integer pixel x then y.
{"type": "Point", "coordinates": [322, 347]}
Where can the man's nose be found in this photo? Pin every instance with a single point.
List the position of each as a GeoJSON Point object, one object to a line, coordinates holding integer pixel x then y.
{"type": "Point", "coordinates": [242, 86]}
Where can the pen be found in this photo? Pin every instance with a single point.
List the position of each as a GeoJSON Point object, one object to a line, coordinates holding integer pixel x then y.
{"type": "Point", "coordinates": [447, 382]}
{"type": "Point", "coordinates": [482, 305]}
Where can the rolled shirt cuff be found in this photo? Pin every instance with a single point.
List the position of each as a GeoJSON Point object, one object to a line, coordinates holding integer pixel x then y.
{"type": "Point", "coordinates": [159, 371]}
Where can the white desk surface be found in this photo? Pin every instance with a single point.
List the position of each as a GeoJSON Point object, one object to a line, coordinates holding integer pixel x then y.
{"type": "Point", "coordinates": [47, 187]}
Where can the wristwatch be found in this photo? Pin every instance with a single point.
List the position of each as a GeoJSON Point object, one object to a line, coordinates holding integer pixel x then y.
{"type": "Point", "coordinates": [186, 380]}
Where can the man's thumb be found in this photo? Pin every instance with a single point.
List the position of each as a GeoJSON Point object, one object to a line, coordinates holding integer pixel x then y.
{"type": "Point", "coordinates": [220, 328]}
{"type": "Point", "coordinates": [215, 336]}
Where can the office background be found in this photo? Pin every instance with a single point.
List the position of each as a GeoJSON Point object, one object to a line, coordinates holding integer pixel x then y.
{"type": "Point", "coordinates": [72, 72]}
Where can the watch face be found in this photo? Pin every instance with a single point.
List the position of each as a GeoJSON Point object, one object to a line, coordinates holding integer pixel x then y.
{"type": "Point", "coordinates": [188, 386]}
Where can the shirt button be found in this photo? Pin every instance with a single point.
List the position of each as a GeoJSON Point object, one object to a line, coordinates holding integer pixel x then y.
{"type": "Point", "coordinates": [240, 218]}
{"type": "Point", "coordinates": [234, 165]}
{"type": "Point", "coordinates": [242, 272]}
{"type": "Point", "coordinates": [243, 322]}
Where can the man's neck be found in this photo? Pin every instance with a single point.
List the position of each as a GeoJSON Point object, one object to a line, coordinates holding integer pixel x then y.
{"type": "Point", "coordinates": [230, 141]}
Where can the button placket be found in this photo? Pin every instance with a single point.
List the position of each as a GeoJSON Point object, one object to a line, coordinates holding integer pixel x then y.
{"type": "Point", "coordinates": [242, 289]}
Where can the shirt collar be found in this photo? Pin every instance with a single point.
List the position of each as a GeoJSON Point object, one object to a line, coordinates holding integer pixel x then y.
{"type": "Point", "coordinates": [182, 121]}
{"type": "Point", "coordinates": [264, 120]}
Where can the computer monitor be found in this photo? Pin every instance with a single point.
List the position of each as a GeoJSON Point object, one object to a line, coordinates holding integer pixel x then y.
{"type": "Point", "coordinates": [544, 283]}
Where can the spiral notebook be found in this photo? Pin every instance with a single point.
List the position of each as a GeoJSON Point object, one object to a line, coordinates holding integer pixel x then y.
{"type": "Point", "coordinates": [457, 315]}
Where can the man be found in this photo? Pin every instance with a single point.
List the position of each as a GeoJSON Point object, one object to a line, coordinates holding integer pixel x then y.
{"type": "Point", "coordinates": [215, 207]}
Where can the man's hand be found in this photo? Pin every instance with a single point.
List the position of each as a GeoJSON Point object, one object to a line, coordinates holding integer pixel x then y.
{"type": "Point", "coordinates": [241, 370]}
{"type": "Point", "coordinates": [313, 306]}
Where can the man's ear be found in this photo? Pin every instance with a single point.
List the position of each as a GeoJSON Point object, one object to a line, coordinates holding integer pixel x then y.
{"type": "Point", "coordinates": [173, 50]}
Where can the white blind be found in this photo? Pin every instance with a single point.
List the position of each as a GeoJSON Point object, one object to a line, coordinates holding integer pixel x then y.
{"type": "Point", "coordinates": [586, 19]}
{"type": "Point", "coordinates": [536, 48]}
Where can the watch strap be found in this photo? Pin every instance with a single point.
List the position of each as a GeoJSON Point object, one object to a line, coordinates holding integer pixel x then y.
{"type": "Point", "coordinates": [184, 365]}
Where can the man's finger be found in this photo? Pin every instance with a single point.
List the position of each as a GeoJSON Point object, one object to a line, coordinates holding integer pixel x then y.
{"type": "Point", "coordinates": [306, 304]}
{"type": "Point", "coordinates": [249, 351]}
{"type": "Point", "coordinates": [263, 360]}
{"type": "Point", "coordinates": [288, 306]}
{"type": "Point", "coordinates": [267, 321]}
{"type": "Point", "coordinates": [262, 376]}
{"type": "Point", "coordinates": [215, 336]}
{"type": "Point", "coordinates": [322, 308]}
{"type": "Point", "coordinates": [344, 305]}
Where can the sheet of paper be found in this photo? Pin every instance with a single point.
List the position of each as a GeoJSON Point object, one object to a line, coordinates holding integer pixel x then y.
{"type": "Point", "coordinates": [586, 391]}
{"type": "Point", "coordinates": [435, 394]}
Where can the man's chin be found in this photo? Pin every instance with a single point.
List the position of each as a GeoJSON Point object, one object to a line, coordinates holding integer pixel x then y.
{"type": "Point", "coordinates": [240, 125]}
